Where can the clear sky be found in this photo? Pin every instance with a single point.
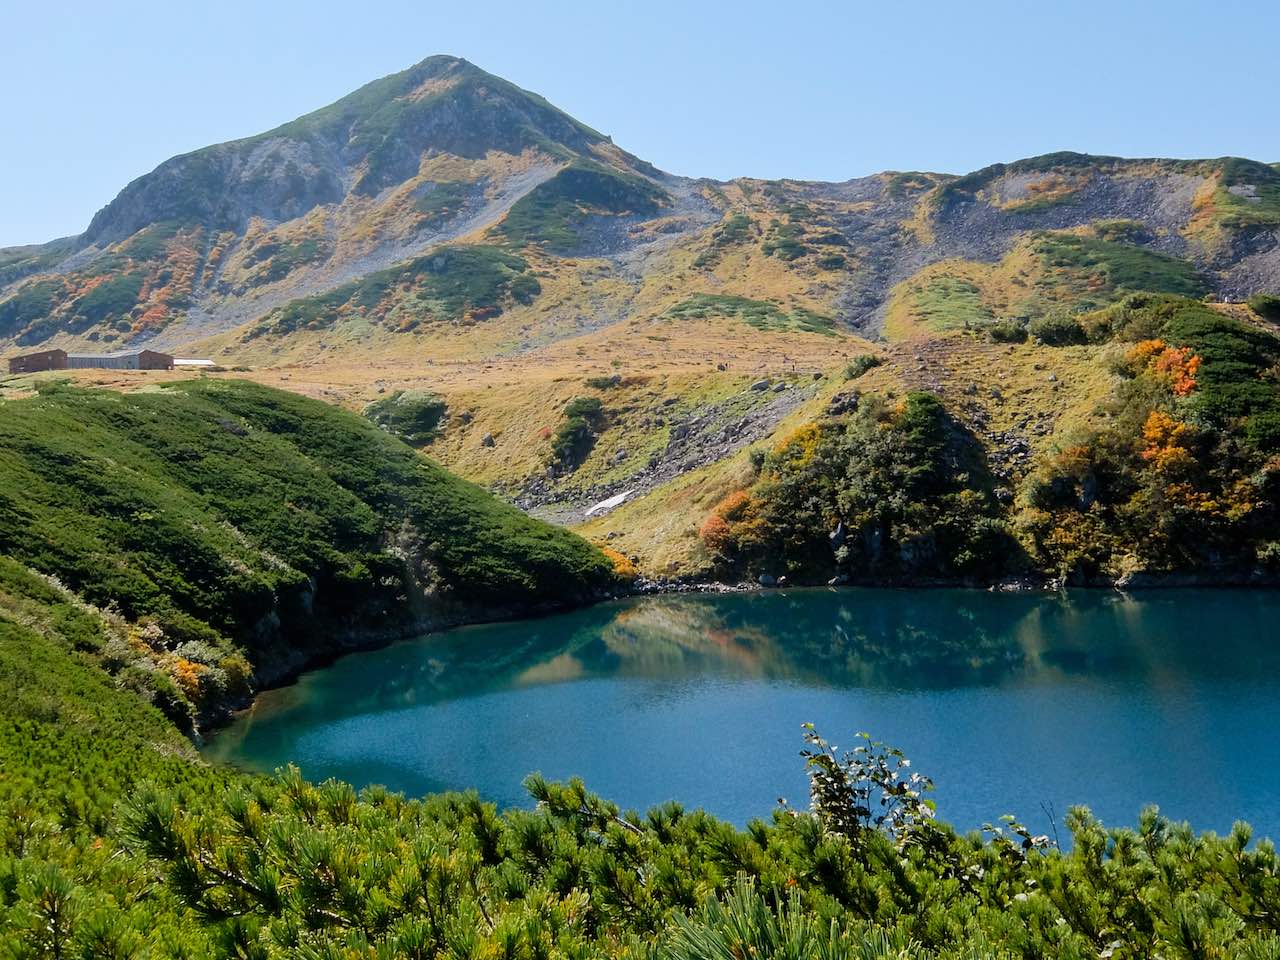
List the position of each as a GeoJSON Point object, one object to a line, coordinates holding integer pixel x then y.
{"type": "Point", "coordinates": [94, 94]}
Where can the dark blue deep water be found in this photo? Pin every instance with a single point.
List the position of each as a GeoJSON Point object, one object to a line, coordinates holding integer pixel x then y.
{"type": "Point", "coordinates": [1012, 703]}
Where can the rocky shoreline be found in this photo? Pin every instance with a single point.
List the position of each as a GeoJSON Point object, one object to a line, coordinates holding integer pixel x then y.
{"type": "Point", "coordinates": [1029, 583]}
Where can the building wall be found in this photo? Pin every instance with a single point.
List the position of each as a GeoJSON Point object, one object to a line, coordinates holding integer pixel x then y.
{"type": "Point", "coordinates": [129, 362]}
{"type": "Point", "coordinates": [59, 360]}
{"type": "Point", "coordinates": [35, 362]}
{"type": "Point", "coordinates": [151, 360]}
{"type": "Point", "coordinates": [142, 360]}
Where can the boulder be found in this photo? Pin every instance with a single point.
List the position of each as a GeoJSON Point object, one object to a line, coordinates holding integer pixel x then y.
{"type": "Point", "coordinates": [843, 403]}
{"type": "Point", "coordinates": [766, 580]}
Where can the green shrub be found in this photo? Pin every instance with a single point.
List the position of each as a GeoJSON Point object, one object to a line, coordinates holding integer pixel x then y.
{"type": "Point", "coordinates": [586, 408]}
{"type": "Point", "coordinates": [412, 415]}
{"type": "Point", "coordinates": [907, 485]}
{"type": "Point", "coordinates": [735, 229]}
{"type": "Point", "coordinates": [760, 314]}
{"type": "Point", "coordinates": [112, 298]}
{"type": "Point", "coordinates": [1007, 331]}
{"type": "Point", "coordinates": [786, 241]}
{"type": "Point", "coordinates": [861, 364]}
{"type": "Point", "coordinates": [1266, 305]}
{"type": "Point", "coordinates": [1057, 330]}
{"type": "Point", "coordinates": [576, 435]}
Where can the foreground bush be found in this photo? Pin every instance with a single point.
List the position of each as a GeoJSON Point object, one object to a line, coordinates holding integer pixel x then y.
{"type": "Point", "coordinates": [288, 868]}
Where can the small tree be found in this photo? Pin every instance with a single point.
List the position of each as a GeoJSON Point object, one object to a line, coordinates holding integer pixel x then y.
{"type": "Point", "coordinates": [867, 790]}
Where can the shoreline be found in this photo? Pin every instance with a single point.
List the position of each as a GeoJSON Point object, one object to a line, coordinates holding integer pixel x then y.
{"type": "Point", "coordinates": [287, 676]}
{"type": "Point", "coordinates": [1031, 583]}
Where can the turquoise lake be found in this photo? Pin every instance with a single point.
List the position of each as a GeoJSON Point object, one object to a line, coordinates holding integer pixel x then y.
{"type": "Point", "coordinates": [1012, 703]}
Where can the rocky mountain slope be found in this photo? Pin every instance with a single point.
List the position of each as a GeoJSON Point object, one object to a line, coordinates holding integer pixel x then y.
{"type": "Point", "coordinates": [442, 233]}
{"type": "Point", "coordinates": [221, 235]}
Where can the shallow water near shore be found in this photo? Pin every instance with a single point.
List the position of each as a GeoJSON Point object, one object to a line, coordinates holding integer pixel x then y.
{"type": "Point", "coordinates": [1012, 703]}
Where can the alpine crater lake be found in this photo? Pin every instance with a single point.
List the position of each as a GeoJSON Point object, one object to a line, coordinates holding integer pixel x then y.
{"type": "Point", "coordinates": [1012, 703]}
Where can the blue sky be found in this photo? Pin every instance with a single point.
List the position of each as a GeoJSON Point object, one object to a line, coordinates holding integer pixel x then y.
{"type": "Point", "coordinates": [96, 94]}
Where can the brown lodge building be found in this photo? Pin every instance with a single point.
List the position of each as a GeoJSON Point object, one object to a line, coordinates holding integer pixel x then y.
{"type": "Point", "coordinates": [61, 360]}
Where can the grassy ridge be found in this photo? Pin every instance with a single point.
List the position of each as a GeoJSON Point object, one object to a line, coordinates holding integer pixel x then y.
{"type": "Point", "coordinates": [229, 515]}
{"type": "Point", "coordinates": [553, 213]}
{"type": "Point", "coordinates": [1045, 272]}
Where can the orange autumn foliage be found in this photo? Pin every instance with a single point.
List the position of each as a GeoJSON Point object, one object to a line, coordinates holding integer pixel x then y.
{"type": "Point", "coordinates": [732, 516]}
{"type": "Point", "coordinates": [1177, 366]}
{"type": "Point", "coordinates": [622, 565]}
{"type": "Point", "coordinates": [715, 533]}
{"type": "Point", "coordinates": [187, 673]}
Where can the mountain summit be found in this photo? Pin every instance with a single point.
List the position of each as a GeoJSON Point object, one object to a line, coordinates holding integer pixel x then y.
{"type": "Point", "coordinates": [670, 360]}
{"type": "Point", "coordinates": [369, 141]}
{"type": "Point", "coordinates": [445, 196]}
{"type": "Point", "coordinates": [226, 233]}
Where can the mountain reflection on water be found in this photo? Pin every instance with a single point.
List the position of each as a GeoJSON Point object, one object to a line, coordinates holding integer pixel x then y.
{"type": "Point", "coordinates": [942, 671]}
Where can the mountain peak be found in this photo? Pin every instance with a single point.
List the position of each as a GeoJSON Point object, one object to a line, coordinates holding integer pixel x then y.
{"type": "Point", "coordinates": [369, 140]}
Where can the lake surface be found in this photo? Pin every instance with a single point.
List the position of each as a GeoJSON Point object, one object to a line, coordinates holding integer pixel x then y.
{"type": "Point", "coordinates": [1012, 703]}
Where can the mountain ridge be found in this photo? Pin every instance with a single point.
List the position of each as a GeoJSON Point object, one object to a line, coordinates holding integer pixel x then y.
{"type": "Point", "coordinates": [511, 268]}
{"type": "Point", "coordinates": [444, 153]}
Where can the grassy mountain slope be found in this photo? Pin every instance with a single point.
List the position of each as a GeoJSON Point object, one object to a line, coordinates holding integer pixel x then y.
{"type": "Point", "coordinates": [247, 530]}
{"type": "Point", "coordinates": [222, 234]}
{"type": "Point", "coordinates": [443, 232]}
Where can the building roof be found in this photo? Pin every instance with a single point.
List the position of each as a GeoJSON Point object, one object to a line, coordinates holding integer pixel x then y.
{"type": "Point", "coordinates": [192, 362]}
{"type": "Point", "coordinates": [119, 354]}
